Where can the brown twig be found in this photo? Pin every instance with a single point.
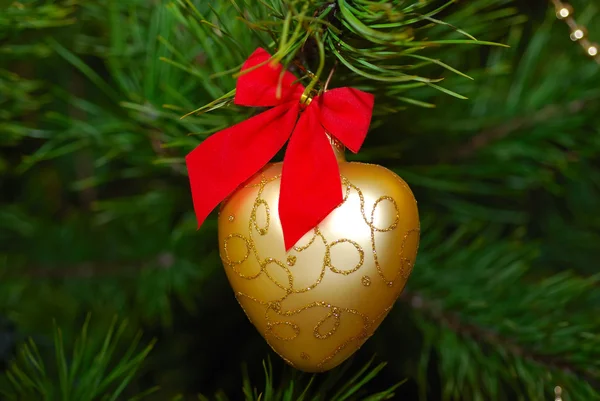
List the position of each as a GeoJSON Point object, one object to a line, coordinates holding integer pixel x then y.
{"type": "Point", "coordinates": [487, 336]}
{"type": "Point", "coordinates": [157, 146]}
{"type": "Point", "coordinates": [330, 76]}
{"type": "Point", "coordinates": [486, 137]}
{"type": "Point", "coordinates": [93, 269]}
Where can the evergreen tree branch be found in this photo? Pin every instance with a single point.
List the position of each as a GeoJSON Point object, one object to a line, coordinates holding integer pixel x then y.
{"type": "Point", "coordinates": [486, 336]}
{"type": "Point", "coordinates": [526, 183]}
{"type": "Point", "coordinates": [374, 42]}
{"type": "Point", "coordinates": [344, 384]}
{"type": "Point", "coordinates": [488, 136]}
{"type": "Point", "coordinates": [90, 372]}
{"type": "Point", "coordinates": [534, 320]}
{"type": "Point", "coordinates": [93, 269]}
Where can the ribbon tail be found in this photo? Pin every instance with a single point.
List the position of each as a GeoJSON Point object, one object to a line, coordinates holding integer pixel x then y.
{"type": "Point", "coordinates": [230, 157]}
{"type": "Point", "coordinates": [310, 183]}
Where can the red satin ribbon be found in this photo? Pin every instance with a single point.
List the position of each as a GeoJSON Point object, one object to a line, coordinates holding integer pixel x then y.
{"type": "Point", "coordinates": [310, 183]}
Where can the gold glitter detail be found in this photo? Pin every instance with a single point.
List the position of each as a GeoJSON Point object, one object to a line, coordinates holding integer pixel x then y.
{"type": "Point", "coordinates": [335, 314]}
{"type": "Point", "coordinates": [276, 306]}
{"type": "Point", "coordinates": [233, 264]}
{"type": "Point", "coordinates": [361, 255]}
{"type": "Point", "coordinates": [383, 313]}
{"type": "Point", "coordinates": [304, 356]}
{"type": "Point", "coordinates": [290, 277]}
{"type": "Point", "coordinates": [271, 331]}
{"type": "Point", "coordinates": [271, 304]}
{"type": "Point", "coordinates": [263, 181]}
{"type": "Point", "coordinates": [274, 310]}
{"type": "Point", "coordinates": [370, 222]}
{"type": "Point", "coordinates": [251, 247]}
{"type": "Point", "coordinates": [265, 229]}
{"type": "Point", "coordinates": [312, 240]}
{"type": "Point", "coordinates": [407, 264]}
{"type": "Point", "coordinates": [231, 218]}
{"type": "Point", "coordinates": [323, 267]}
{"type": "Point", "coordinates": [359, 338]}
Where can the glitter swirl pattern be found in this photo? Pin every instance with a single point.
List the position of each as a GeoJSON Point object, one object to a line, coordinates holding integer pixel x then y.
{"type": "Point", "coordinates": [280, 323]}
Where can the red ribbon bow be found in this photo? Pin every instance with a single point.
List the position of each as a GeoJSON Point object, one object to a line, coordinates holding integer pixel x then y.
{"type": "Point", "coordinates": [310, 183]}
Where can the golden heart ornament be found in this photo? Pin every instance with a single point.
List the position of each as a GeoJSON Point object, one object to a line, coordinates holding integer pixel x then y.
{"type": "Point", "coordinates": [316, 304]}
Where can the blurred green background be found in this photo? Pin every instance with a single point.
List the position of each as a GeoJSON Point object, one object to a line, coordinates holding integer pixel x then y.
{"type": "Point", "coordinates": [96, 216]}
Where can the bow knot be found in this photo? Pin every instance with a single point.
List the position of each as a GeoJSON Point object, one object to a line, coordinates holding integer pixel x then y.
{"type": "Point", "coordinates": [310, 183]}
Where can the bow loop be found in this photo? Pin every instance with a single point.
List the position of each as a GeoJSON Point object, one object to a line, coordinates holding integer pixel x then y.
{"type": "Point", "coordinates": [310, 183]}
{"type": "Point", "coordinates": [264, 84]}
{"type": "Point", "coordinates": [346, 114]}
{"type": "Point", "coordinates": [230, 157]}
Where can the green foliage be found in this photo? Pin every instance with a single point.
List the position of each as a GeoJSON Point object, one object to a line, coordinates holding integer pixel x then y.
{"type": "Point", "coordinates": [95, 213]}
{"type": "Point", "coordinates": [379, 46]}
{"type": "Point", "coordinates": [296, 386]}
{"type": "Point", "coordinates": [19, 95]}
{"type": "Point", "coordinates": [545, 335]}
{"type": "Point", "coordinates": [90, 372]}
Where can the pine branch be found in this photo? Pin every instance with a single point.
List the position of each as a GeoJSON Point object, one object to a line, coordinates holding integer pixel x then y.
{"type": "Point", "coordinates": [91, 372]}
{"type": "Point", "coordinates": [486, 336]}
{"type": "Point", "coordinates": [93, 269]}
{"type": "Point", "coordinates": [344, 384]}
{"type": "Point", "coordinates": [135, 143]}
{"type": "Point", "coordinates": [489, 291]}
{"type": "Point", "coordinates": [19, 17]}
{"type": "Point", "coordinates": [489, 136]}
{"type": "Point", "coordinates": [530, 129]}
{"type": "Point", "coordinates": [379, 45]}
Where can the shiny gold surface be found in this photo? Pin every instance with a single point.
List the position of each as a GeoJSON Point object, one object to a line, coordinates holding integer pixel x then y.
{"type": "Point", "coordinates": [318, 303]}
